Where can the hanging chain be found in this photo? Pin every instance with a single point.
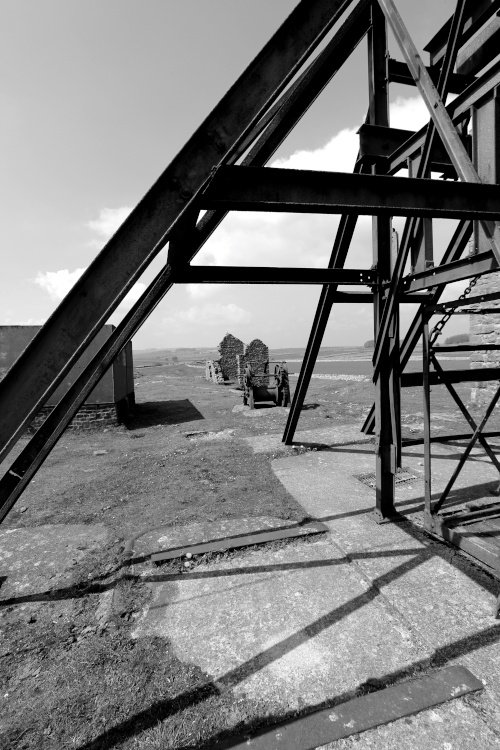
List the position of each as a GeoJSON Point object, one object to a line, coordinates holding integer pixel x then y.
{"type": "Point", "coordinates": [438, 328]}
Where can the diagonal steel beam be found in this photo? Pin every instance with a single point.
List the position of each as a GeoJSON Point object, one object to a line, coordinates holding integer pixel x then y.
{"type": "Point", "coordinates": [107, 280]}
{"type": "Point", "coordinates": [412, 226]}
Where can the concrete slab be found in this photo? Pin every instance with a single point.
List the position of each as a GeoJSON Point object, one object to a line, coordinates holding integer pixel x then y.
{"type": "Point", "coordinates": [446, 603]}
{"type": "Point", "coordinates": [33, 559]}
{"type": "Point", "coordinates": [289, 627]}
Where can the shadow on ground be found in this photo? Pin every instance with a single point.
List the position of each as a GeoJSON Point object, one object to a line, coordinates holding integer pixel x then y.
{"type": "Point", "coordinates": [153, 413]}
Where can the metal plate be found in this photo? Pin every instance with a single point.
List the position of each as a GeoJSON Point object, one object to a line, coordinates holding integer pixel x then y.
{"type": "Point", "coordinates": [366, 712]}
{"type": "Point", "coordinates": [258, 537]}
{"type": "Point", "coordinates": [402, 475]}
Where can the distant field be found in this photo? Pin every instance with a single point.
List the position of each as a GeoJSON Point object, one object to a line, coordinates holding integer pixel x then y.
{"type": "Point", "coordinates": [332, 360]}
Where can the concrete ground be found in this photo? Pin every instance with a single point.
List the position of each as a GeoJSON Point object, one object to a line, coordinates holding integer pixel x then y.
{"type": "Point", "coordinates": [311, 622]}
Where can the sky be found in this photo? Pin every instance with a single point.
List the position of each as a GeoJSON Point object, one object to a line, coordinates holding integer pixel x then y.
{"type": "Point", "coordinates": [98, 96]}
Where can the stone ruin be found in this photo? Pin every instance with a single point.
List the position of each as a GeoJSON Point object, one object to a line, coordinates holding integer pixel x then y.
{"type": "Point", "coordinates": [213, 371]}
{"type": "Point", "coordinates": [229, 349]}
{"type": "Point", "coordinates": [256, 353]}
{"type": "Point", "coordinates": [234, 355]}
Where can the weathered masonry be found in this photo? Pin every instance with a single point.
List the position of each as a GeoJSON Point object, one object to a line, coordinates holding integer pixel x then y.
{"type": "Point", "coordinates": [222, 168]}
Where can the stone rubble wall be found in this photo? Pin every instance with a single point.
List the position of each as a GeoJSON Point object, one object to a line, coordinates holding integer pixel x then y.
{"type": "Point", "coordinates": [256, 353]}
{"type": "Point", "coordinates": [485, 329]}
{"type": "Point", "coordinates": [213, 371]}
{"type": "Point", "coordinates": [229, 348]}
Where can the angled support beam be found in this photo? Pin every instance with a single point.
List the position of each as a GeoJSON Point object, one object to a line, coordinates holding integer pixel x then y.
{"type": "Point", "coordinates": [455, 304]}
{"type": "Point", "coordinates": [474, 265]}
{"type": "Point", "coordinates": [337, 259]}
{"type": "Point", "coordinates": [101, 288]}
{"type": "Point", "coordinates": [444, 126]}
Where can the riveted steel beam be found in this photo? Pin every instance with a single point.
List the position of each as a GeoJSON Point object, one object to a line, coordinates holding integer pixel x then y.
{"type": "Point", "coordinates": [473, 265]}
{"type": "Point", "coordinates": [308, 191]}
{"type": "Point", "coordinates": [273, 275]}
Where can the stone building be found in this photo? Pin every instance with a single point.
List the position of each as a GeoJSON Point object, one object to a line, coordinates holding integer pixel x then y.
{"type": "Point", "coordinates": [110, 400]}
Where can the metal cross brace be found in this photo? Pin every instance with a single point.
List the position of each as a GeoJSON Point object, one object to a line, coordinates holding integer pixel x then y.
{"type": "Point", "coordinates": [477, 435]}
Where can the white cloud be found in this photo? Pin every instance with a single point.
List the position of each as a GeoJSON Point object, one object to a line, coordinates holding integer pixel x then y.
{"type": "Point", "coordinates": [202, 291]}
{"type": "Point", "coordinates": [108, 221]}
{"type": "Point", "coordinates": [338, 155]}
{"type": "Point", "coordinates": [409, 114]}
{"type": "Point", "coordinates": [58, 283]}
{"type": "Point", "coordinates": [210, 314]}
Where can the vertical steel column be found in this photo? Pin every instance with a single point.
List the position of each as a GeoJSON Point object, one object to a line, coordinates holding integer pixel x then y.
{"type": "Point", "coordinates": [427, 425]}
{"type": "Point", "coordinates": [486, 151]}
{"type": "Point", "coordinates": [385, 403]}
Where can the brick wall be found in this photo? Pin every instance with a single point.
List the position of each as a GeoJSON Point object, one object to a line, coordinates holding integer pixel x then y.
{"type": "Point", "coordinates": [88, 417]}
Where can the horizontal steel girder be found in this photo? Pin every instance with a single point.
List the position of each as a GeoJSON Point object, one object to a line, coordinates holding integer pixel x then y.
{"type": "Point", "coordinates": [272, 275]}
{"type": "Point", "coordinates": [399, 73]}
{"type": "Point", "coordinates": [474, 265]}
{"type": "Point", "coordinates": [413, 379]}
{"type": "Point", "coordinates": [307, 191]}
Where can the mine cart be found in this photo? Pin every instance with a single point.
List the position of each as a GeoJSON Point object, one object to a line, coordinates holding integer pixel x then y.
{"type": "Point", "coordinates": [255, 388]}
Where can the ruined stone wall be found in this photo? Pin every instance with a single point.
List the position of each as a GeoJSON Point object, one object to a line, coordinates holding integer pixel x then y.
{"type": "Point", "coordinates": [257, 354]}
{"type": "Point", "coordinates": [213, 371]}
{"type": "Point", "coordinates": [485, 329]}
{"type": "Point", "coordinates": [229, 348]}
